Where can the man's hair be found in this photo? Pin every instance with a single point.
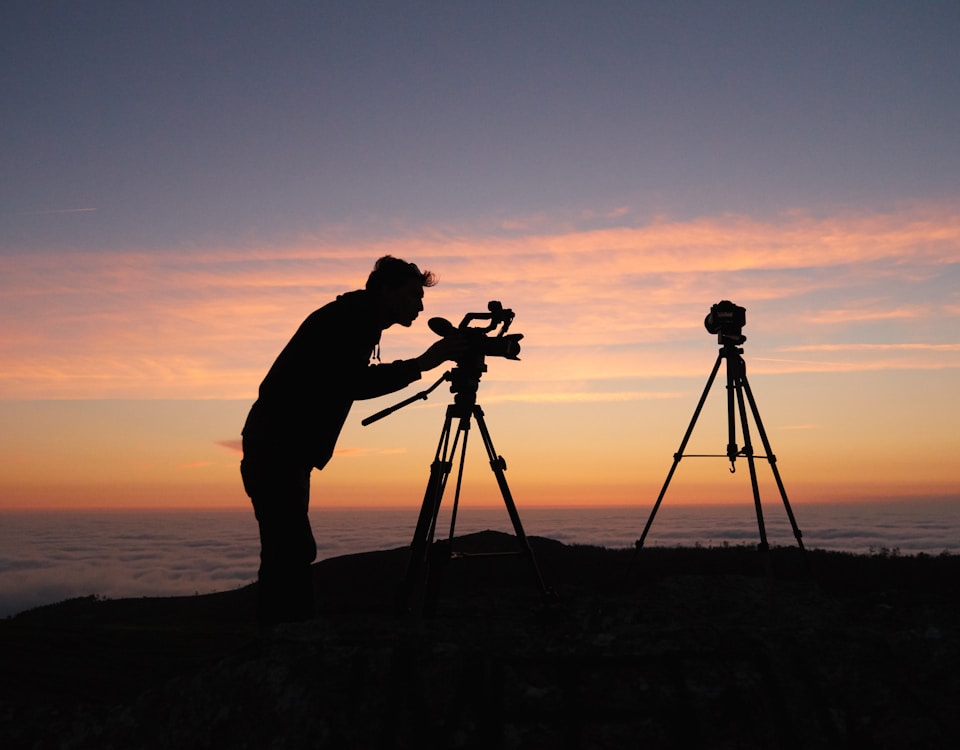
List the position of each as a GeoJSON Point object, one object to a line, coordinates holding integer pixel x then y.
{"type": "Point", "coordinates": [389, 273]}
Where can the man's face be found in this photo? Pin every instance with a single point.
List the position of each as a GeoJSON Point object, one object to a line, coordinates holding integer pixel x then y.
{"type": "Point", "coordinates": [403, 304]}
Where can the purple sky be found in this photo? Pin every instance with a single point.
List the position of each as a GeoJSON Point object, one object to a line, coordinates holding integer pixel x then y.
{"type": "Point", "coordinates": [186, 122]}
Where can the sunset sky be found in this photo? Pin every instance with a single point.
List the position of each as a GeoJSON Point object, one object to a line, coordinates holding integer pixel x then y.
{"type": "Point", "coordinates": [181, 183]}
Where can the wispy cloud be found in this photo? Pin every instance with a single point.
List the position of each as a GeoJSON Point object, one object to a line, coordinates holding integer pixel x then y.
{"type": "Point", "coordinates": [541, 397]}
{"type": "Point", "coordinates": [870, 311]}
{"type": "Point", "coordinates": [49, 211]}
{"type": "Point", "coordinates": [353, 452]}
{"type": "Point", "coordinates": [873, 347]}
{"type": "Point", "coordinates": [594, 304]}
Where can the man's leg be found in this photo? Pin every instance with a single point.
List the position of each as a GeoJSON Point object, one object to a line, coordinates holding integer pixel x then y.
{"type": "Point", "coordinates": [280, 496]}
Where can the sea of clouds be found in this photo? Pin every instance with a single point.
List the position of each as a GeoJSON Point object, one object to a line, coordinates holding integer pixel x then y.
{"type": "Point", "coordinates": [46, 557]}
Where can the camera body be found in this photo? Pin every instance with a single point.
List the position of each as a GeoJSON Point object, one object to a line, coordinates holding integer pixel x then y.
{"type": "Point", "coordinates": [727, 321]}
{"type": "Point", "coordinates": [479, 344]}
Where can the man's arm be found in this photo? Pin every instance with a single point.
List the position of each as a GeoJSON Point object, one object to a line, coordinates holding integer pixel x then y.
{"type": "Point", "coordinates": [379, 380]}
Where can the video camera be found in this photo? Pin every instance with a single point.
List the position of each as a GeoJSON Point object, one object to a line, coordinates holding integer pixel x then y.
{"type": "Point", "coordinates": [727, 321]}
{"type": "Point", "coordinates": [479, 344]}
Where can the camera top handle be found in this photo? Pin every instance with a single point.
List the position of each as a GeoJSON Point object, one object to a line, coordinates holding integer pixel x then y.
{"type": "Point", "coordinates": [496, 316]}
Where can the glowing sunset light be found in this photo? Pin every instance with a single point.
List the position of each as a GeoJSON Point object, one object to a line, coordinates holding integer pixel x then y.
{"type": "Point", "coordinates": [168, 325]}
{"type": "Point", "coordinates": [160, 243]}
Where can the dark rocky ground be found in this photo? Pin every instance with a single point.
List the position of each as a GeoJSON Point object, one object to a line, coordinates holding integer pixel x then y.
{"type": "Point", "coordinates": [670, 648]}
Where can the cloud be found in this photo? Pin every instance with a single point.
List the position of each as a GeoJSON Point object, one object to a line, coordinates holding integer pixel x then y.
{"type": "Point", "coordinates": [873, 347]}
{"type": "Point", "coordinates": [592, 302]}
{"type": "Point", "coordinates": [179, 554]}
{"type": "Point", "coordinates": [354, 452]}
{"type": "Point", "coordinates": [50, 211]}
{"type": "Point", "coordinates": [542, 397]}
{"type": "Point", "coordinates": [876, 311]}
{"type": "Point", "coordinates": [125, 554]}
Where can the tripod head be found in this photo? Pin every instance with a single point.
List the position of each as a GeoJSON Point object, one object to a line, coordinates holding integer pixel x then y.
{"type": "Point", "coordinates": [465, 380]}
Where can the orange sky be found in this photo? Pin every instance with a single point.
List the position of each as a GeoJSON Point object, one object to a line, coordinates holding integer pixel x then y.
{"type": "Point", "coordinates": [127, 375]}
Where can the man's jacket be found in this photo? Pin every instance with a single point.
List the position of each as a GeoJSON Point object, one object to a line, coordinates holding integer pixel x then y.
{"type": "Point", "coordinates": [306, 396]}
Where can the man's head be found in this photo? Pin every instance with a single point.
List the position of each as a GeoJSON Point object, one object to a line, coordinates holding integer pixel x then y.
{"type": "Point", "coordinates": [398, 286]}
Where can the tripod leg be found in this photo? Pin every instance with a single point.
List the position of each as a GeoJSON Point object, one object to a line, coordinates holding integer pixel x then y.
{"type": "Point", "coordinates": [772, 459]}
{"type": "Point", "coordinates": [499, 466]}
{"type": "Point", "coordinates": [463, 427]}
{"type": "Point", "coordinates": [417, 564]}
{"type": "Point", "coordinates": [748, 452]}
{"type": "Point", "coordinates": [679, 454]}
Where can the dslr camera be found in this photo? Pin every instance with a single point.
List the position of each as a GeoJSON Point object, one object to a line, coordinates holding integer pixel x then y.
{"type": "Point", "coordinates": [727, 321]}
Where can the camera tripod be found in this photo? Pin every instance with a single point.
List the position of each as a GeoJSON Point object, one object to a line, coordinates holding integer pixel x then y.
{"type": "Point", "coordinates": [737, 387]}
{"type": "Point", "coordinates": [465, 379]}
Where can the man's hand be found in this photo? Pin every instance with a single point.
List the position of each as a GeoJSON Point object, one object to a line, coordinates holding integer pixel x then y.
{"type": "Point", "coordinates": [447, 348]}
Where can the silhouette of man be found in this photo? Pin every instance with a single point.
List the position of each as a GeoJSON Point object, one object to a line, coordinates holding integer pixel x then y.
{"type": "Point", "coordinates": [303, 402]}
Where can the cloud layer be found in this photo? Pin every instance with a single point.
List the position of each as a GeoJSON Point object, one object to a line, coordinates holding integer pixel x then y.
{"type": "Point", "coordinates": [843, 292]}
{"type": "Point", "coordinates": [47, 558]}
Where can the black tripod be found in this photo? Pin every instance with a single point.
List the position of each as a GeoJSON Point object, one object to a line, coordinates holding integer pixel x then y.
{"type": "Point", "coordinates": [465, 379]}
{"type": "Point", "coordinates": [737, 386]}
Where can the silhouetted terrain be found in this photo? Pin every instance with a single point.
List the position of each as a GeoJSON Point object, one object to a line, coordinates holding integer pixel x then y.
{"type": "Point", "coordinates": [674, 648]}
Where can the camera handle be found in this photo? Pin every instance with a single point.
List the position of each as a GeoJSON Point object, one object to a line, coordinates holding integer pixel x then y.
{"type": "Point", "coordinates": [422, 396]}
